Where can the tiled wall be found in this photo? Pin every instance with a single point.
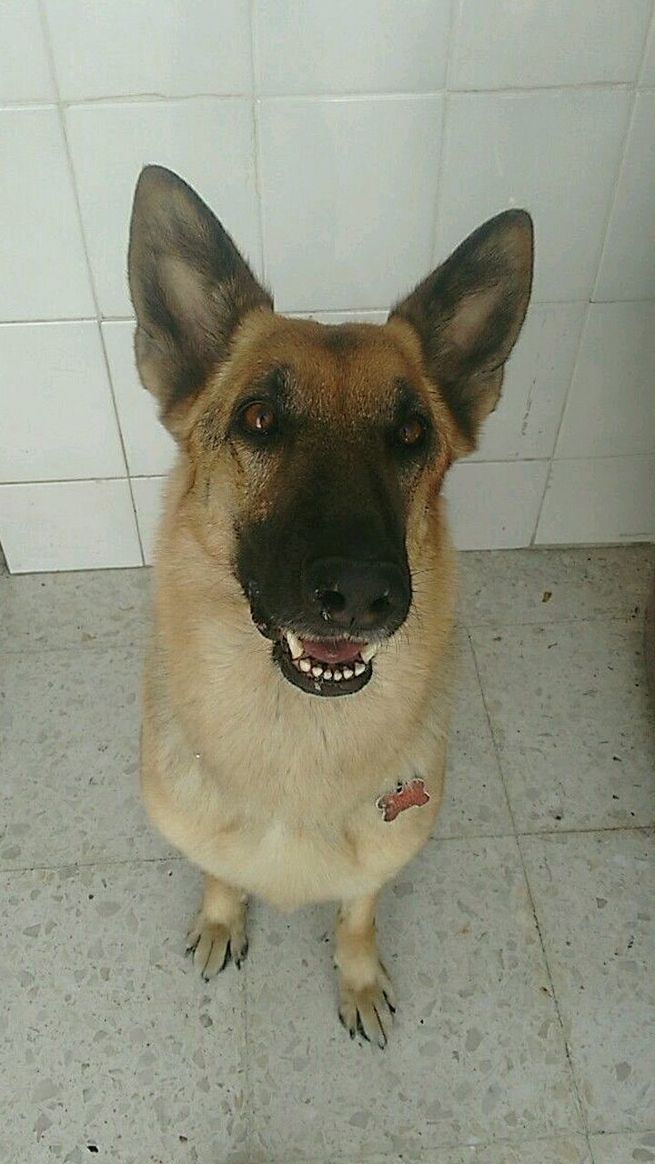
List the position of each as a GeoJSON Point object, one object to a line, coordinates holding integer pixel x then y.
{"type": "Point", "coordinates": [347, 145]}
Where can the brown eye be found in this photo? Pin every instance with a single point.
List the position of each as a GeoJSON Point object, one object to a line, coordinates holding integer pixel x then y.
{"type": "Point", "coordinates": [412, 432]}
{"type": "Point", "coordinates": [259, 418]}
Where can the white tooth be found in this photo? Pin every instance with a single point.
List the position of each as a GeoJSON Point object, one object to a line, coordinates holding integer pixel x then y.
{"type": "Point", "coordinates": [368, 653]}
{"type": "Point", "coordinates": [327, 674]}
{"type": "Point", "coordinates": [295, 645]}
{"type": "Point", "coordinates": [338, 676]}
{"type": "Point", "coordinates": [359, 668]}
{"type": "Point", "coordinates": [317, 671]}
{"type": "Point", "coordinates": [305, 665]}
{"type": "Point", "coordinates": [347, 673]}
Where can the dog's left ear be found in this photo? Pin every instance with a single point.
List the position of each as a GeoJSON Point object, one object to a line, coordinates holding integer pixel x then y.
{"type": "Point", "coordinates": [468, 315]}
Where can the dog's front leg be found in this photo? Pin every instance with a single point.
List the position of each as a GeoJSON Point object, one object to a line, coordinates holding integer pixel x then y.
{"type": "Point", "coordinates": [219, 930]}
{"type": "Point", "coordinates": [366, 998]}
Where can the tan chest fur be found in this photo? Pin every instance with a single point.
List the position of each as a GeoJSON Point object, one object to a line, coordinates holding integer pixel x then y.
{"type": "Point", "coordinates": [264, 786]}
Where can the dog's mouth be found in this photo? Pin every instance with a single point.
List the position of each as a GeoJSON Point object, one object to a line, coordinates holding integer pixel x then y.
{"type": "Point", "coordinates": [326, 666]}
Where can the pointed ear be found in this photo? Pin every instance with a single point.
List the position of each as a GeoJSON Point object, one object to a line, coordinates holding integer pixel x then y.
{"type": "Point", "coordinates": [468, 315]}
{"type": "Point", "coordinates": [189, 285]}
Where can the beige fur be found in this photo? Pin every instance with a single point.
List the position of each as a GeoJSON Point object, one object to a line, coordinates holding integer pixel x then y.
{"type": "Point", "coordinates": [267, 789]}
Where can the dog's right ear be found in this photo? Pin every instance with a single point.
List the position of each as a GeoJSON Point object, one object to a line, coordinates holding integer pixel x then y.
{"type": "Point", "coordinates": [189, 285]}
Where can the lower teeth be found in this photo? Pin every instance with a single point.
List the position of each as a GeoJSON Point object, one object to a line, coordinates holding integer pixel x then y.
{"type": "Point", "coordinates": [308, 666]}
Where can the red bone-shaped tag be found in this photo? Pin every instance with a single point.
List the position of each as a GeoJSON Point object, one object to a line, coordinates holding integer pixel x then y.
{"type": "Point", "coordinates": [406, 796]}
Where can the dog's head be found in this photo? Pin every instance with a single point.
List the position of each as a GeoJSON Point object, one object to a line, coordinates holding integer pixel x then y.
{"type": "Point", "coordinates": [317, 451]}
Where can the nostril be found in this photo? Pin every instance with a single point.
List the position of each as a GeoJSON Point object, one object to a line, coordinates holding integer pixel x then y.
{"type": "Point", "coordinates": [331, 601]}
{"type": "Point", "coordinates": [381, 605]}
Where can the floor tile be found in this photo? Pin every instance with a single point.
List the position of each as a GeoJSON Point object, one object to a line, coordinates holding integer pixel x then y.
{"type": "Point", "coordinates": [114, 932]}
{"type": "Point", "coordinates": [44, 611]}
{"type": "Point", "coordinates": [594, 899]}
{"type": "Point", "coordinates": [623, 1148]}
{"type": "Point", "coordinates": [569, 710]}
{"type": "Point", "coordinates": [477, 1051]}
{"type": "Point", "coordinates": [474, 800]}
{"type": "Point", "coordinates": [113, 1039]}
{"type": "Point", "coordinates": [69, 792]}
{"type": "Point", "coordinates": [517, 586]}
{"type": "Point", "coordinates": [571, 1150]}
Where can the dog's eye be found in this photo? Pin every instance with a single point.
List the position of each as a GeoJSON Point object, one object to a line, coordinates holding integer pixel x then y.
{"type": "Point", "coordinates": [411, 432]}
{"type": "Point", "coordinates": [258, 418]}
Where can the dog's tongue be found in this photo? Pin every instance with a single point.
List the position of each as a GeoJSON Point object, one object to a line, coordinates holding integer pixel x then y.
{"type": "Point", "coordinates": [333, 652]}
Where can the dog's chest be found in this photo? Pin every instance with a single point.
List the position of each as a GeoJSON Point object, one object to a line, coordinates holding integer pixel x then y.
{"type": "Point", "coordinates": [293, 829]}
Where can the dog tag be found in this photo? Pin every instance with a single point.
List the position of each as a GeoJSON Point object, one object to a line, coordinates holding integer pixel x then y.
{"type": "Point", "coordinates": [407, 795]}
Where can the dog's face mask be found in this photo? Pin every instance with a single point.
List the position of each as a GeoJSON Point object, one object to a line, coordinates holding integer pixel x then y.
{"type": "Point", "coordinates": [317, 450]}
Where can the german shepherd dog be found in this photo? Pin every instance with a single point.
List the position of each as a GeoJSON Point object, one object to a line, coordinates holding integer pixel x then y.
{"type": "Point", "coordinates": [299, 679]}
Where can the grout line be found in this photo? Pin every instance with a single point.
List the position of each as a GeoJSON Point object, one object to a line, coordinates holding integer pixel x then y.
{"type": "Point", "coordinates": [453, 18]}
{"type": "Point", "coordinates": [453, 21]}
{"type": "Point", "coordinates": [648, 39]}
{"type": "Point", "coordinates": [603, 246]}
{"type": "Point", "coordinates": [469, 839]}
{"type": "Point", "coordinates": [567, 1049]}
{"type": "Point", "coordinates": [257, 160]}
{"type": "Point", "coordinates": [581, 832]}
{"type": "Point", "coordinates": [122, 440]}
{"type": "Point", "coordinates": [98, 863]}
{"type": "Point", "coordinates": [553, 458]}
{"type": "Point", "coordinates": [613, 200]}
{"type": "Point", "coordinates": [138, 637]}
{"type": "Point", "coordinates": [615, 195]}
{"type": "Point", "coordinates": [69, 480]}
{"type": "Point", "coordinates": [89, 266]}
{"type": "Point", "coordinates": [138, 641]}
{"type": "Point", "coordinates": [48, 322]}
{"type": "Point", "coordinates": [128, 476]}
{"type": "Point", "coordinates": [325, 95]}
{"type": "Point", "coordinates": [497, 624]}
{"type": "Point", "coordinates": [110, 99]}
{"type": "Point", "coordinates": [300, 313]}
{"type": "Point", "coordinates": [488, 719]}
{"type": "Point", "coordinates": [248, 1112]}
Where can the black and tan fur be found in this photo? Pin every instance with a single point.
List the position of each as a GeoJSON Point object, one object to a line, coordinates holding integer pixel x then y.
{"type": "Point", "coordinates": [265, 785]}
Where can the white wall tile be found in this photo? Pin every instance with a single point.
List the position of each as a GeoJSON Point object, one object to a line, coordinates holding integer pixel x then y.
{"type": "Point", "coordinates": [332, 317]}
{"type": "Point", "coordinates": [44, 273]}
{"type": "Point", "coordinates": [148, 495]}
{"type": "Point", "coordinates": [502, 43]}
{"type": "Point", "coordinates": [538, 375]}
{"type": "Point", "coordinates": [494, 506]}
{"type": "Point", "coordinates": [308, 46]}
{"type": "Point", "coordinates": [607, 499]}
{"type": "Point", "coordinates": [60, 422]}
{"type": "Point", "coordinates": [73, 525]}
{"type": "Point", "coordinates": [24, 70]}
{"type": "Point", "coordinates": [149, 448]}
{"type": "Point", "coordinates": [555, 153]}
{"type": "Point", "coordinates": [348, 199]}
{"type": "Point", "coordinates": [209, 142]}
{"type": "Point", "coordinates": [156, 47]}
{"type": "Point", "coordinates": [627, 269]}
{"type": "Point", "coordinates": [610, 409]}
{"type": "Point", "coordinates": [647, 76]}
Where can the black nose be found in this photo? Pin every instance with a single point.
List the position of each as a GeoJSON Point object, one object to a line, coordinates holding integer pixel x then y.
{"type": "Point", "coordinates": [350, 594]}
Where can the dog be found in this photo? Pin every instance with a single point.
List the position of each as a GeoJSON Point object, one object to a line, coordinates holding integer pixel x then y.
{"type": "Point", "coordinates": [299, 680]}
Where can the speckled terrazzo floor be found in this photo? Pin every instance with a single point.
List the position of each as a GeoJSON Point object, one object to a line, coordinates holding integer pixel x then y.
{"type": "Point", "coordinates": [521, 941]}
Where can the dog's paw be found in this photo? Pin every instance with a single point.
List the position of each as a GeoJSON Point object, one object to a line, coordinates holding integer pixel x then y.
{"type": "Point", "coordinates": [368, 1010]}
{"type": "Point", "coordinates": [214, 944]}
